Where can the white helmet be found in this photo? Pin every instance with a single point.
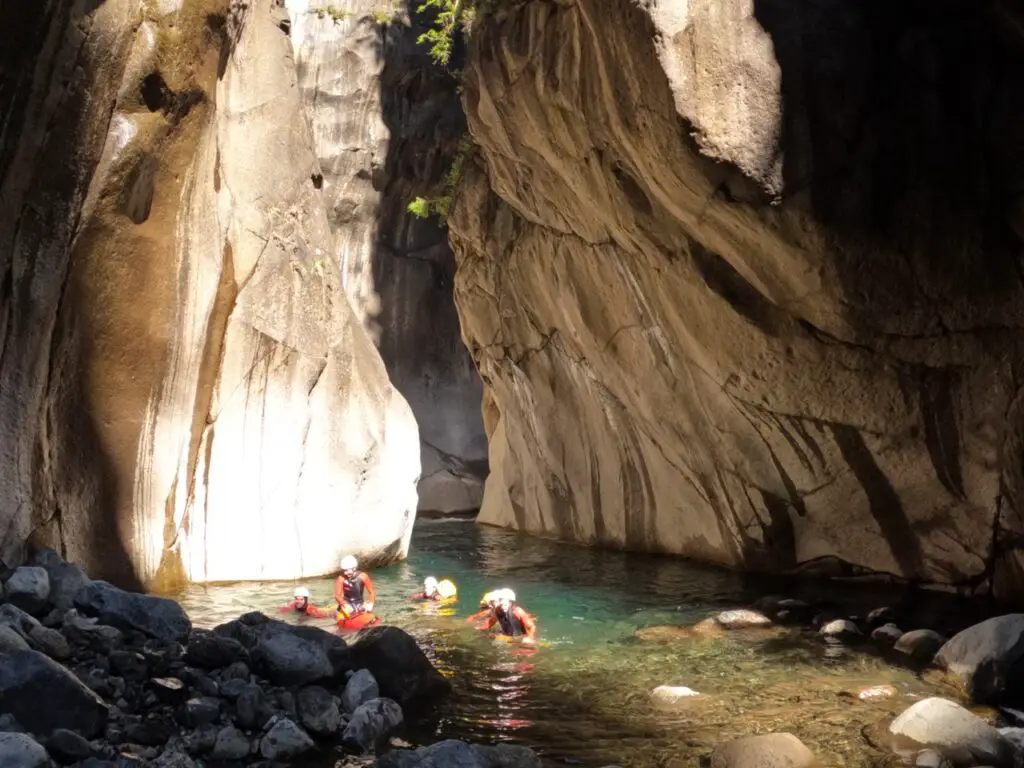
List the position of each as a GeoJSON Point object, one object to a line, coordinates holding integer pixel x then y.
{"type": "Point", "coordinates": [349, 563]}
{"type": "Point", "coordinates": [430, 585]}
{"type": "Point", "coordinates": [507, 594]}
{"type": "Point", "coordinates": [301, 592]}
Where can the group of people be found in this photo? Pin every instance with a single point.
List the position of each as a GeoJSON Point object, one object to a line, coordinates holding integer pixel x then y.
{"type": "Point", "coordinates": [355, 595]}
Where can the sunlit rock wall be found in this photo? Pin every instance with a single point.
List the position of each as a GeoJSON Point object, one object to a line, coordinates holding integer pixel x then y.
{"type": "Point", "coordinates": [744, 280]}
{"type": "Point", "coordinates": [186, 391]}
{"type": "Point", "coordinates": [386, 124]}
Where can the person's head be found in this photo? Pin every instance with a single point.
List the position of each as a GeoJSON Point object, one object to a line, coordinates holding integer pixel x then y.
{"type": "Point", "coordinates": [429, 586]}
{"type": "Point", "coordinates": [349, 566]}
{"type": "Point", "coordinates": [301, 595]}
{"type": "Point", "coordinates": [505, 599]}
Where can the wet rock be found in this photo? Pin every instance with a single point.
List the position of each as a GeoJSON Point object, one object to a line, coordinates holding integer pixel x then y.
{"type": "Point", "coordinates": [840, 629]}
{"type": "Point", "coordinates": [507, 756]}
{"type": "Point", "coordinates": [252, 708]}
{"type": "Point", "coordinates": [196, 712]}
{"type": "Point", "coordinates": [129, 664]}
{"type": "Point", "coordinates": [1016, 737]}
{"type": "Point", "coordinates": [881, 616]}
{"type": "Point", "coordinates": [450, 752]}
{"type": "Point", "coordinates": [886, 635]}
{"type": "Point", "coordinates": [781, 750]}
{"type": "Point", "coordinates": [201, 741]}
{"type": "Point", "coordinates": [285, 740]}
{"type": "Point", "coordinates": [231, 744]}
{"type": "Point", "coordinates": [318, 710]}
{"type": "Point", "coordinates": [153, 616]}
{"type": "Point", "coordinates": [28, 678]}
{"type": "Point", "coordinates": [51, 642]}
{"type": "Point", "coordinates": [987, 658]}
{"type": "Point", "coordinates": [19, 750]}
{"type": "Point", "coordinates": [28, 589]}
{"type": "Point", "coordinates": [239, 670]}
{"type": "Point", "coordinates": [402, 671]}
{"type": "Point", "coordinates": [876, 692]}
{"type": "Point", "coordinates": [929, 758]}
{"type": "Point", "coordinates": [212, 651]}
{"type": "Point", "coordinates": [286, 659]}
{"type": "Point", "coordinates": [669, 695]}
{"type": "Point", "coordinates": [943, 725]}
{"type": "Point", "coordinates": [920, 645]}
{"type": "Point", "coordinates": [68, 747]}
{"type": "Point", "coordinates": [11, 640]}
{"type": "Point", "coordinates": [65, 578]}
{"type": "Point", "coordinates": [89, 633]}
{"type": "Point", "coordinates": [792, 611]}
{"type": "Point", "coordinates": [742, 619]}
{"type": "Point", "coordinates": [372, 723]}
{"type": "Point", "coordinates": [360, 688]}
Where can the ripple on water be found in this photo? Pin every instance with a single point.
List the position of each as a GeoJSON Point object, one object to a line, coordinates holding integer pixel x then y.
{"type": "Point", "coordinates": [585, 699]}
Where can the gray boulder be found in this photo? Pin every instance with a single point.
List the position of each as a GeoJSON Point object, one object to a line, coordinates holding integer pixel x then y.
{"type": "Point", "coordinates": [211, 651]}
{"type": "Point", "coordinates": [840, 629]}
{"type": "Point", "coordinates": [202, 740]}
{"type": "Point", "coordinates": [771, 750]}
{"type": "Point", "coordinates": [28, 678]}
{"type": "Point", "coordinates": [28, 589]}
{"type": "Point", "coordinates": [15, 617]}
{"type": "Point", "coordinates": [318, 710]}
{"type": "Point", "coordinates": [509, 756]}
{"type": "Point", "coordinates": [886, 635]}
{"type": "Point", "coordinates": [457, 754]}
{"type": "Point", "coordinates": [359, 689]}
{"type": "Point", "coordinates": [930, 758]}
{"type": "Point", "coordinates": [89, 633]}
{"type": "Point", "coordinates": [285, 740]}
{"type": "Point", "coordinates": [943, 725]}
{"type": "Point", "coordinates": [920, 645]}
{"type": "Point", "coordinates": [19, 750]}
{"type": "Point", "coordinates": [402, 670]}
{"type": "Point", "coordinates": [742, 619]}
{"type": "Point", "coordinates": [173, 758]}
{"type": "Point", "coordinates": [199, 711]}
{"type": "Point", "coordinates": [68, 747]}
{"type": "Point", "coordinates": [11, 640]}
{"type": "Point", "coordinates": [65, 578]}
{"type": "Point", "coordinates": [252, 708]}
{"type": "Point", "coordinates": [372, 723]}
{"type": "Point", "coordinates": [231, 744]}
{"type": "Point", "coordinates": [153, 616]}
{"type": "Point", "coordinates": [987, 658]}
{"type": "Point", "coordinates": [51, 642]}
{"type": "Point", "coordinates": [287, 659]}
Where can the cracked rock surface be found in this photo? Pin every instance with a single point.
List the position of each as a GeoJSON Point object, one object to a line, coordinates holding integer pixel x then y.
{"type": "Point", "coordinates": [743, 281]}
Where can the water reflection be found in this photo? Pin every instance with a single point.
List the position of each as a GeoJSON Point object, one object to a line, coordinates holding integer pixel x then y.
{"type": "Point", "coordinates": [585, 697]}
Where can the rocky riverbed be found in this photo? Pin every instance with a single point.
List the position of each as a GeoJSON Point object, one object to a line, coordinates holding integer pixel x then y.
{"type": "Point", "coordinates": [95, 676]}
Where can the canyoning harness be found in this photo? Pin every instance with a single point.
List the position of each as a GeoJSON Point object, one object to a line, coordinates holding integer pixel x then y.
{"type": "Point", "coordinates": [510, 622]}
{"type": "Point", "coordinates": [354, 589]}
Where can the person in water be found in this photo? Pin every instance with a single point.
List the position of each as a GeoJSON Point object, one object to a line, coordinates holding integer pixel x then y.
{"type": "Point", "coordinates": [487, 604]}
{"type": "Point", "coordinates": [512, 618]}
{"type": "Point", "coordinates": [302, 605]}
{"type": "Point", "coordinates": [435, 590]}
{"type": "Point", "coordinates": [353, 589]}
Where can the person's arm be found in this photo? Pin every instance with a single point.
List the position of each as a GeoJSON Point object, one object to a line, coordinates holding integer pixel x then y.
{"type": "Point", "coordinates": [490, 621]}
{"type": "Point", "coordinates": [529, 623]}
{"type": "Point", "coordinates": [478, 615]}
{"type": "Point", "coordinates": [371, 593]}
{"type": "Point", "coordinates": [286, 608]}
{"type": "Point", "coordinates": [339, 591]}
{"type": "Point", "coordinates": [419, 596]}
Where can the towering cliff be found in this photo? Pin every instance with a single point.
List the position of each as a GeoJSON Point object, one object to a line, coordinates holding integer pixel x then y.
{"type": "Point", "coordinates": [186, 391]}
{"type": "Point", "coordinates": [744, 279]}
{"type": "Point", "coordinates": [386, 125]}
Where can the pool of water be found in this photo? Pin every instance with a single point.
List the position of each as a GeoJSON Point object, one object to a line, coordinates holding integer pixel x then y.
{"type": "Point", "coordinates": [584, 698]}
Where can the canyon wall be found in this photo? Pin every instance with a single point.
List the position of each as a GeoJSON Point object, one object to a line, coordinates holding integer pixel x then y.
{"type": "Point", "coordinates": [185, 390]}
{"type": "Point", "coordinates": [386, 124]}
{"type": "Point", "coordinates": [744, 282]}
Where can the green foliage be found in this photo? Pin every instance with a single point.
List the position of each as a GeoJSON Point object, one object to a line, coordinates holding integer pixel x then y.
{"type": "Point", "coordinates": [441, 206]}
{"type": "Point", "coordinates": [332, 11]}
{"type": "Point", "coordinates": [441, 36]}
{"type": "Point", "coordinates": [383, 17]}
{"type": "Point", "coordinates": [420, 208]}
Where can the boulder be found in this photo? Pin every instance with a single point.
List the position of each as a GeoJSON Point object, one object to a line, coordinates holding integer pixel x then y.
{"type": "Point", "coordinates": [28, 589]}
{"type": "Point", "coordinates": [202, 740]}
{"type": "Point", "coordinates": [670, 695]}
{"type": "Point", "coordinates": [881, 616]}
{"type": "Point", "coordinates": [51, 642]}
{"type": "Point", "coordinates": [19, 750]}
{"type": "Point", "coordinates": [508, 756]}
{"type": "Point", "coordinates": [153, 616]}
{"type": "Point", "coordinates": [987, 658]}
{"type": "Point", "coordinates": [212, 651]}
{"type": "Point", "coordinates": [231, 744]}
{"type": "Point", "coordinates": [65, 578]}
{"type": "Point", "coordinates": [28, 678]}
{"type": "Point", "coordinates": [401, 669]}
{"type": "Point", "coordinates": [920, 645]}
{"type": "Point", "coordinates": [130, 665]}
{"type": "Point", "coordinates": [287, 659]}
{"type": "Point", "coordinates": [237, 671]}
{"type": "Point", "coordinates": [318, 710]}
{"type": "Point", "coordinates": [876, 692]}
{"type": "Point", "coordinates": [196, 712]}
{"type": "Point", "coordinates": [233, 688]}
{"type": "Point", "coordinates": [886, 635]}
{"type": "Point", "coordinates": [173, 758]}
{"type": "Point", "coordinates": [742, 619]}
{"type": "Point", "coordinates": [11, 640]}
{"type": "Point", "coordinates": [285, 740]}
{"type": "Point", "coordinates": [17, 618]}
{"type": "Point", "coordinates": [457, 754]}
{"type": "Point", "coordinates": [840, 629]}
{"type": "Point", "coordinates": [252, 708]}
{"type": "Point", "coordinates": [359, 689]}
{"type": "Point", "coordinates": [89, 633]}
{"type": "Point", "coordinates": [372, 723]}
{"type": "Point", "coordinates": [943, 725]}
{"type": "Point", "coordinates": [930, 758]}
{"type": "Point", "coordinates": [68, 747]}
{"type": "Point", "coordinates": [772, 750]}
{"type": "Point", "coordinates": [332, 645]}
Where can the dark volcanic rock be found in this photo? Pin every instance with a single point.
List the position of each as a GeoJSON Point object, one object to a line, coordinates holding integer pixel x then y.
{"type": "Point", "coordinates": [154, 616]}
{"type": "Point", "coordinates": [213, 651]}
{"type": "Point", "coordinates": [44, 696]}
{"type": "Point", "coordinates": [401, 669]}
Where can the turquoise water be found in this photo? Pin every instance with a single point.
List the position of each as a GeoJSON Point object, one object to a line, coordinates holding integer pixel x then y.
{"type": "Point", "coordinates": [584, 698]}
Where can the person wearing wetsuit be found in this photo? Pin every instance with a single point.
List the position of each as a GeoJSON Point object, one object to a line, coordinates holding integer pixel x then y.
{"type": "Point", "coordinates": [436, 591]}
{"type": "Point", "coordinates": [353, 590]}
{"type": "Point", "coordinates": [487, 604]}
{"type": "Point", "coordinates": [302, 605]}
{"type": "Point", "coordinates": [512, 618]}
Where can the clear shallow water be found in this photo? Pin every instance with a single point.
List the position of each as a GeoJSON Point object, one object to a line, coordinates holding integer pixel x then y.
{"type": "Point", "coordinates": [585, 698]}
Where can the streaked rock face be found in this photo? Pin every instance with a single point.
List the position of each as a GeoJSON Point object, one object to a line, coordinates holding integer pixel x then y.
{"type": "Point", "coordinates": [743, 280]}
{"type": "Point", "coordinates": [187, 392]}
{"type": "Point", "coordinates": [386, 123]}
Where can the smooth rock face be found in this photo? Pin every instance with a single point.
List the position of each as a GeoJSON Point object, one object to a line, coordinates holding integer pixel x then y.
{"type": "Point", "coordinates": [28, 678]}
{"type": "Point", "coordinates": [178, 324]}
{"type": "Point", "coordinates": [705, 293]}
{"type": "Point", "coordinates": [987, 658]}
{"type": "Point", "coordinates": [943, 725]}
{"type": "Point", "coordinates": [773, 750]}
{"type": "Point", "coordinates": [393, 140]}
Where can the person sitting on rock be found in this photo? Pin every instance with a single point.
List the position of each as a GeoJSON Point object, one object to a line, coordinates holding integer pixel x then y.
{"type": "Point", "coordinates": [487, 604]}
{"type": "Point", "coordinates": [435, 590]}
{"type": "Point", "coordinates": [512, 618]}
{"type": "Point", "coordinates": [353, 589]}
{"type": "Point", "coordinates": [302, 605]}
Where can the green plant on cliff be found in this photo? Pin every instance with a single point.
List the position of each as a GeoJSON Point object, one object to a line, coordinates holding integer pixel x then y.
{"type": "Point", "coordinates": [441, 36]}
{"type": "Point", "coordinates": [441, 205]}
{"type": "Point", "coordinates": [331, 11]}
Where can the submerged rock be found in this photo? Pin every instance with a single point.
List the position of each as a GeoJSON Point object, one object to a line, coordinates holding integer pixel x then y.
{"type": "Point", "coordinates": [372, 723]}
{"type": "Point", "coordinates": [773, 750]}
{"type": "Point", "coordinates": [451, 753]}
{"type": "Point", "coordinates": [44, 696]}
{"type": "Point", "coordinates": [963, 738]}
{"type": "Point", "coordinates": [401, 669]}
{"type": "Point", "coordinates": [28, 588]}
{"type": "Point", "coordinates": [742, 619]}
{"type": "Point", "coordinates": [153, 616]}
{"type": "Point", "coordinates": [668, 695]}
{"type": "Point", "coordinates": [19, 750]}
{"type": "Point", "coordinates": [886, 635]}
{"type": "Point", "coordinates": [285, 740]}
{"type": "Point", "coordinates": [988, 658]}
